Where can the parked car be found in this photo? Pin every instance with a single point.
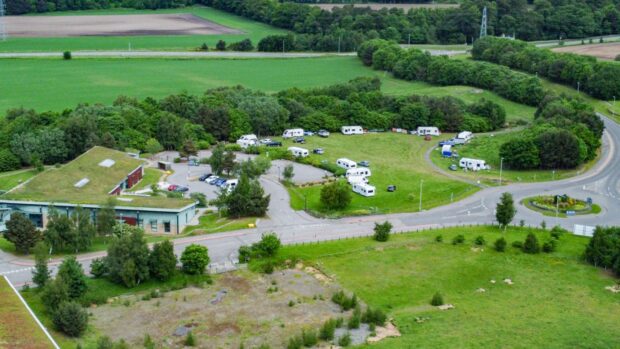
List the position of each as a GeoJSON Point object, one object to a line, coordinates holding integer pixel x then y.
{"type": "Point", "coordinates": [308, 133]}
{"type": "Point", "coordinates": [300, 140]}
{"type": "Point", "coordinates": [181, 189]}
{"type": "Point", "coordinates": [204, 177]}
{"type": "Point", "coordinates": [319, 151]}
{"type": "Point", "coordinates": [453, 167]}
{"type": "Point", "coordinates": [172, 187]}
{"type": "Point", "coordinates": [194, 162]}
{"type": "Point", "coordinates": [364, 163]}
{"type": "Point", "coordinates": [447, 142]}
{"type": "Point", "coordinates": [220, 182]}
{"type": "Point", "coordinates": [323, 133]}
{"type": "Point", "coordinates": [212, 179]}
{"type": "Point", "coordinates": [274, 144]}
{"type": "Point", "coordinates": [265, 141]}
{"type": "Point", "coordinates": [391, 188]}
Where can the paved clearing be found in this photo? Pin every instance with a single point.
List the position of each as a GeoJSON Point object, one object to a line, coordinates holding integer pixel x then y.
{"type": "Point", "coordinates": [112, 25]}
{"type": "Point", "coordinates": [405, 7]}
{"type": "Point", "coordinates": [603, 51]}
{"type": "Point", "coordinates": [237, 308]}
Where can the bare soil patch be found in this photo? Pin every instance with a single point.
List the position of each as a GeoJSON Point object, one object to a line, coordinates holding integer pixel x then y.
{"type": "Point", "coordinates": [112, 25]}
{"type": "Point", "coordinates": [603, 51]}
{"type": "Point", "coordinates": [254, 310]}
{"type": "Point", "coordinates": [405, 7]}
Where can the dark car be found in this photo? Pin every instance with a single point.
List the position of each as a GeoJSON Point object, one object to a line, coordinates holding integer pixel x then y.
{"type": "Point", "coordinates": [300, 140]}
{"type": "Point", "coordinates": [274, 144]}
{"type": "Point", "coordinates": [220, 182]}
{"type": "Point", "coordinates": [318, 151]}
{"type": "Point", "coordinates": [204, 177]}
{"type": "Point", "coordinates": [364, 163]}
{"type": "Point", "coordinates": [181, 189]}
{"type": "Point", "coordinates": [391, 188]}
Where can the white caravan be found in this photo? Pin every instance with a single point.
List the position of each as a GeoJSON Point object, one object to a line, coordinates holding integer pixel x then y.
{"type": "Point", "coordinates": [356, 179]}
{"type": "Point", "coordinates": [293, 132]}
{"type": "Point", "coordinates": [473, 164]}
{"type": "Point", "coordinates": [346, 163]}
{"type": "Point", "coordinates": [364, 189]}
{"type": "Point", "coordinates": [299, 152]}
{"type": "Point", "coordinates": [465, 135]}
{"type": "Point", "coordinates": [428, 130]}
{"type": "Point", "coordinates": [352, 130]}
{"type": "Point", "coordinates": [358, 171]}
{"type": "Point", "coordinates": [247, 140]}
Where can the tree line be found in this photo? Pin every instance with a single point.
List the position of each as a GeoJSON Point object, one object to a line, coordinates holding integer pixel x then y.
{"type": "Point", "coordinates": [187, 122]}
{"type": "Point", "coordinates": [603, 250]}
{"type": "Point", "coordinates": [598, 79]}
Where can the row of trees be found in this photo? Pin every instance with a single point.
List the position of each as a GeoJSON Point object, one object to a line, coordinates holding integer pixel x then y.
{"type": "Point", "coordinates": [603, 250]}
{"type": "Point", "coordinates": [599, 79]}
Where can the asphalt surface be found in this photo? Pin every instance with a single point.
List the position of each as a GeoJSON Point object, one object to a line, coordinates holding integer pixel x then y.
{"type": "Point", "coordinates": [601, 183]}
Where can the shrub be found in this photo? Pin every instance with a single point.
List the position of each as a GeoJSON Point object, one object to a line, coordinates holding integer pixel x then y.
{"type": "Point", "coordinates": [345, 340]}
{"type": "Point", "coordinates": [355, 319]}
{"type": "Point", "coordinates": [195, 259]}
{"type": "Point", "coordinates": [162, 261]}
{"type": "Point", "coordinates": [531, 244]}
{"type": "Point", "coordinates": [71, 273]}
{"type": "Point", "coordinates": [221, 45]}
{"type": "Point", "coordinates": [500, 245]}
{"type": "Point", "coordinates": [71, 319]}
{"type": "Point", "coordinates": [439, 238]}
{"type": "Point", "coordinates": [437, 299]}
{"type": "Point", "coordinates": [98, 267]}
{"type": "Point", "coordinates": [55, 293]}
{"type": "Point", "coordinates": [480, 241]}
{"type": "Point", "coordinates": [549, 246]}
{"type": "Point", "coordinates": [245, 253]}
{"type": "Point", "coordinates": [328, 330]}
{"type": "Point", "coordinates": [268, 245]}
{"type": "Point", "coordinates": [557, 232]}
{"type": "Point", "coordinates": [309, 338]}
{"type": "Point", "coordinates": [204, 47]}
{"type": "Point", "coordinates": [382, 231]}
{"type": "Point", "coordinates": [201, 198]}
{"type": "Point", "coordinates": [104, 342]}
{"type": "Point", "coordinates": [374, 317]}
{"type": "Point", "coordinates": [190, 341]}
{"type": "Point", "coordinates": [336, 195]}
{"type": "Point", "coordinates": [295, 343]}
{"type": "Point", "coordinates": [617, 58]}
{"type": "Point", "coordinates": [345, 303]}
{"type": "Point", "coordinates": [518, 244]}
{"type": "Point", "coordinates": [148, 342]}
{"type": "Point", "coordinates": [459, 239]}
{"type": "Point", "coordinates": [66, 55]}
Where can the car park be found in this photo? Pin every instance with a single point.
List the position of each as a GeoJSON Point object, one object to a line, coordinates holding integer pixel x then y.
{"type": "Point", "coordinates": [318, 151]}
{"type": "Point", "coordinates": [300, 140]}
{"type": "Point", "coordinates": [204, 177]}
{"type": "Point", "coordinates": [274, 144]}
{"type": "Point", "coordinates": [323, 133]}
{"type": "Point", "coordinates": [364, 163]}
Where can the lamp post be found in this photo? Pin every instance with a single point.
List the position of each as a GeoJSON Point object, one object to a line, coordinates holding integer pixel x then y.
{"type": "Point", "coordinates": [501, 169]}
{"type": "Point", "coordinates": [420, 206]}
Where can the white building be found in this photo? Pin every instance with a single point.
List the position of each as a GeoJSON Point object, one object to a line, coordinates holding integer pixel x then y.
{"type": "Point", "coordinates": [293, 132]}
{"type": "Point", "coordinates": [299, 152]}
{"type": "Point", "coordinates": [346, 163]}
{"type": "Point", "coordinates": [473, 164]}
{"type": "Point", "coordinates": [352, 130]}
{"type": "Point", "coordinates": [428, 130]}
{"type": "Point", "coordinates": [364, 189]}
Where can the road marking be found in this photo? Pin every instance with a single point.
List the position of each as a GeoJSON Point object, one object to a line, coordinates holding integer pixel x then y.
{"type": "Point", "coordinates": [16, 271]}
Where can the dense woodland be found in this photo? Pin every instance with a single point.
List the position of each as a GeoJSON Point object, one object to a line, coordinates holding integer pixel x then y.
{"type": "Point", "coordinates": [599, 79]}
{"type": "Point", "coordinates": [224, 114]}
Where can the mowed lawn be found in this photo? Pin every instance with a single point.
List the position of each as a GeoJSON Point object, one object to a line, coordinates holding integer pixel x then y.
{"type": "Point", "coordinates": [251, 30]}
{"type": "Point", "coordinates": [556, 300]}
{"type": "Point", "coordinates": [8, 180]}
{"type": "Point", "coordinates": [395, 159]}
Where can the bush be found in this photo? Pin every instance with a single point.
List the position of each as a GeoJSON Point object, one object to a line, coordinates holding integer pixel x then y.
{"type": "Point", "coordinates": [355, 319]}
{"type": "Point", "coordinates": [549, 246]}
{"type": "Point", "coordinates": [243, 45]}
{"type": "Point", "coordinates": [345, 303]}
{"type": "Point", "coordinates": [437, 299]}
{"type": "Point", "coordinates": [517, 244]}
{"type": "Point", "coordinates": [557, 232]}
{"type": "Point", "coordinates": [345, 340]}
{"type": "Point", "coordinates": [66, 55]}
{"type": "Point", "coordinates": [459, 239]}
{"type": "Point", "coordinates": [382, 231]}
{"type": "Point", "coordinates": [195, 259]}
{"type": "Point", "coordinates": [268, 245]}
{"type": "Point", "coordinates": [439, 238]}
{"type": "Point", "coordinates": [480, 241]}
{"type": "Point", "coordinates": [336, 195]}
{"type": "Point", "coordinates": [98, 267]}
{"type": "Point", "coordinates": [500, 245]}
{"type": "Point", "coordinates": [328, 330]}
{"type": "Point", "coordinates": [295, 343]}
{"type": "Point", "coordinates": [190, 341]}
{"type": "Point", "coordinates": [309, 338]}
{"type": "Point", "coordinates": [162, 261]}
{"type": "Point", "coordinates": [201, 198]}
{"type": "Point", "coordinates": [221, 45]}
{"type": "Point", "coordinates": [531, 244]}
{"type": "Point", "coordinates": [204, 47]}
{"type": "Point", "coordinates": [245, 252]}
{"type": "Point", "coordinates": [374, 317]}
{"type": "Point", "coordinates": [71, 319]}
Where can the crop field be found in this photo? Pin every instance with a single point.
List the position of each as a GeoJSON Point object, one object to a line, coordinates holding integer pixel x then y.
{"type": "Point", "coordinates": [555, 301]}
{"type": "Point", "coordinates": [231, 29]}
{"type": "Point", "coordinates": [395, 159]}
{"type": "Point", "coordinates": [603, 51]}
{"type": "Point", "coordinates": [404, 7]}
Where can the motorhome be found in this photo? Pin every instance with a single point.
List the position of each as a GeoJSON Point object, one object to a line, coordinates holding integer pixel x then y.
{"type": "Point", "coordinates": [465, 135]}
{"type": "Point", "coordinates": [299, 152]}
{"type": "Point", "coordinates": [247, 140]}
{"type": "Point", "coordinates": [293, 132]}
{"type": "Point", "coordinates": [358, 171]}
{"type": "Point", "coordinates": [352, 130]}
{"type": "Point", "coordinates": [364, 189]}
{"type": "Point", "coordinates": [446, 150]}
{"type": "Point", "coordinates": [473, 164]}
{"type": "Point", "coordinates": [428, 130]}
{"type": "Point", "coordinates": [346, 163]}
{"type": "Point", "coordinates": [357, 179]}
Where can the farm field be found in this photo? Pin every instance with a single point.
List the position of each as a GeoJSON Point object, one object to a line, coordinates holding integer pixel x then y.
{"type": "Point", "coordinates": [607, 51]}
{"type": "Point", "coordinates": [395, 159]}
{"type": "Point", "coordinates": [378, 6]}
{"type": "Point", "coordinates": [249, 30]}
{"type": "Point", "coordinates": [556, 301]}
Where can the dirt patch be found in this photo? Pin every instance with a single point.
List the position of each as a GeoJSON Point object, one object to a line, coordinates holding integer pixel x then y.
{"type": "Point", "coordinates": [613, 289]}
{"type": "Point", "coordinates": [255, 310]}
{"type": "Point", "coordinates": [112, 25]}
{"type": "Point", "coordinates": [604, 51]}
{"type": "Point", "coordinates": [384, 332]}
{"type": "Point", "coordinates": [405, 7]}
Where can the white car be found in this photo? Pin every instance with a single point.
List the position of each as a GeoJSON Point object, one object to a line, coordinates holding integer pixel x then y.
{"type": "Point", "coordinates": [265, 141]}
{"type": "Point", "coordinates": [212, 179]}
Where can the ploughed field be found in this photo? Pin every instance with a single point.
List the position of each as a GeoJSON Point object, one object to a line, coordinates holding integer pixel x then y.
{"type": "Point", "coordinates": [113, 25]}
{"type": "Point", "coordinates": [404, 7]}
{"type": "Point", "coordinates": [603, 51]}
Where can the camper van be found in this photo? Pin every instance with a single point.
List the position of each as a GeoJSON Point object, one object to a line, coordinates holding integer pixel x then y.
{"type": "Point", "coordinates": [247, 140]}
{"type": "Point", "coordinates": [346, 163]}
{"type": "Point", "coordinates": [293, 132]}
{"type": "Point", "coordinates": [473, 164]}
{"type": "Point", "coordinates": [352, 130]}
{"type": "Point", "coordinates": [465, 135]}
{"type": "Point", "coordinates": [358, 171]}
{"type": "Point", "coordinates": [428, 130]}
{"type": "Point", "coordinates": [446, 150]}
{"type": "Point", "coordinates": [364, 189]}
{"type": "Point", "coordinates": [357, 179]}
{"type": "Point", "coordinates": [299, 152]}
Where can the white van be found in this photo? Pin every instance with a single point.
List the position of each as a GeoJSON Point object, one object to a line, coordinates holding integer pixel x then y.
{"type": "Point", "coordinates": [346, 163]}
{"type": "Point", "coordinates": [299, 152]}
{"type": "Point", "coordinates": [231, 184]}
{"type": "Point", "coordinates": [293, 132]}
{"type": "Point", "coordinates": [247, 140]}
{"type": "Point", "coordinates": [473, 164]}
{"type": "Point", "coordinates": [364, 189]}
{"type": "Point", "coordinates": [352, 130]}
{"type": "Point", "coordinates": [428, 130]}
{"type": "Point", "coordinates": [358, 171]}
{"type": "Point", "coordinates": [356, 179]}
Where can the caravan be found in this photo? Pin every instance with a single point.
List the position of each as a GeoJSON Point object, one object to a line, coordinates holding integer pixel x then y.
{"type": "Point", "coordinates": [364, 189]}
{"type": "Point", "coordinates": [465, 135]}
{"type": "Point", "coordinates": [352, 130]}
{"type": "Point", "coordinates": [247, 140]}
{"type": "Point", "coordinates": [299, 152]}
{"type": "Point", "coordinates": [293, 132]}
{"type": "Point", "coordinates": [473, 164]}
{"type": "Point", "coordinates": [428, 130]}
{"type": "Point", "coordinates": [346, 163]}
{"type": "Point", "coordinates": [356, 179]}
{"type": "Point", "coordinates": [358, 171]}
{"type": "Point", "coordinates": [446, 150]}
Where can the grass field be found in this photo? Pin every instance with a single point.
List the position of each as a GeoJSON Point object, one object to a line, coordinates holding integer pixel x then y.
{"type": "Point", "coordinates": [252, 30]}
{"type": "Point", "coordinates": [395, 159]}
{"type": "Point", "coordinates": [211, 222]}
{"type": "Point", "coordinates": [9, 180]}
{"type": "Point", "coordinates": [486, 147]}
{"type": "Point", "coordinates": [556, 300]}
{"type": "Point", "coordinates": [17, 327]}
{"type": "Point", "coordinates": [151, 177]}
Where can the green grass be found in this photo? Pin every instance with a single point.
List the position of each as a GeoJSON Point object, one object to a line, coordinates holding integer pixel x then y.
{"type": "Point", "coordinates": [211, 222]}
{"type": "Point", "coordinates": [8, 180]}
{"type": "Point", "coordinates": [396, 159]}
{"type": "Point", "coordinates": [556, 300]}
{"type": "Point", "coordinates": [151, 177]}
{"type": "Point", "coordinates": [252, 30]}
{"type": "Point", "coordinates": [486, 147]}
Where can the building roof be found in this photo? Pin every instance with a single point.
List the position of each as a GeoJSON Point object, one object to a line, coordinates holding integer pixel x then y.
{"type": "Point", "coordinates": [57, 185]}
